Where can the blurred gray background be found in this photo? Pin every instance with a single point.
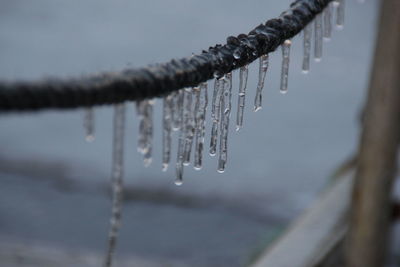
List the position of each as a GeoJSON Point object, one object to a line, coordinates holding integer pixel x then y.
{"type": "Point", "coordinates": [54, 186]}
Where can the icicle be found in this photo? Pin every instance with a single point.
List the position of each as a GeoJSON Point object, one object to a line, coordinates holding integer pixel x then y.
{"type": "Point", "coordinates": [167, 127]}
{"type": "Point", "coordinates": [262, 71]}
{"type": "Point", "coordinates": [285, 66]}
{"type": "Point", "coordinates": [243, 74]}
{"type": "Point", "coordinates": [226, 97]}
{"type": "Point", "coordinates": [340, 14]}
{"type": "Point", "coordinates": [116, 180]}
{"type": "Point", "coordinates": [328, 22]}
{"type": "Point", "coordinates": [88, 124]}
{"type": "Point", "coordinates": [145, 112]}
{"type": "Point", "coordinates": [188, 124]}
{"type": "Point", "coordinates": [215, 114]}
{"type": "Point", "coordinates": [318, 38]}
{"type": "Point", "coordinates": [307, 48]}
{"type": "Point", "coordinates": [200, 115]}
{"type": "Point", "coordinates": [183, 133]}
{"type": "Point", "coordinates": [177, 104]}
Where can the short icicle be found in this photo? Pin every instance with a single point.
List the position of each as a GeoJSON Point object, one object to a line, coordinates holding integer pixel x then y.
{"type": "Point", "coordinates": [215, 114]}
{"type": "Point", "coordinates": [88, 124]}
{"type": "Point", "coordinates": [145, 112]}
{"type": "Point", "coordinates": [285, 66]}
{"type": "Point", "coordinates": [167, 128]}
{"type": "Point", "coordinates": [307, 48]}
{"type": "Point", "coordinates": [177, 104]}
{"type": "Point", "coordinates": [262, 72]}
{"type": "Point", "coordinates": [188, 115]}
{"type": "Point", "coordinates": [226, 105]}
{"type": "Point", "coordinates": [340, 14]}
{"type": "Point", "coordinates": [318, 38]}
{"type": "Point", "coordinates": [200, 115]}
{"type": "Point", "coordinates": [327, 22]}
{"type": "Point", "coordinates": [116, 180]}
{"type": "Point", "coordinates": [243, 75]}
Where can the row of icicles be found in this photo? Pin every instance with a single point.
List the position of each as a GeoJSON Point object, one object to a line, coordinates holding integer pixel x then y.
{"type": "Point", "coordinates": [185, 111]}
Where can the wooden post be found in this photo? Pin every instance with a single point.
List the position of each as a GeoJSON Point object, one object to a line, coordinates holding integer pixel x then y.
{"type": "Point", "coordinates": [370, 209]}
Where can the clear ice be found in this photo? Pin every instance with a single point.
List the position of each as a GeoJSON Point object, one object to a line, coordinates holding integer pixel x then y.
{"type": "Point", "coordinates": [200, 115]}
{"type": "Point", "coordinates": [88, 124]}
{"type": "Point", "coordinates": [116, 180]}
{"type": "Point", "coordinates": [307, 48]}
{"type": "Point", "coordinates": [188, 125]}
{"type": "Point", "coordinates": [243, 74]}
{"type": "Point", "coordinates": [327, 22]}
{"type": "Point", "coordinates": [177, 105]}
{"type": "Point", "coordinates": [262, 71]}
{"type": "Point", "coordinates": [225, 109]}
{"type": "Point", "coordinates": [215, 114]}
{"type": "Point", "coordinates": [340, 14]}
{"type": "Point", "coordinates": [167, 128]}
{"type": "Point", "coordinates": [144, 110]}
{"type": "Point", "coordinates": [318, 38]}
{"type": "Point", "coordinates": [285, 66]}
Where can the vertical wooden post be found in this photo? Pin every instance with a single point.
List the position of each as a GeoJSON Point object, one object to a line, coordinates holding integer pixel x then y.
{"type": "Point", "coordinates": [369, 220]}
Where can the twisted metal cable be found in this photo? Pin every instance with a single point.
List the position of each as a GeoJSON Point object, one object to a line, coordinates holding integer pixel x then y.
{"type": "Point", "coordinates": [160, 79]}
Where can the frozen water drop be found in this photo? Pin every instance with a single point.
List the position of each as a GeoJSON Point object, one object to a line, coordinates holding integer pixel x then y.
{"type": "Point", "coordinates": [188, 125]}
{"type": "Point", "coordinates": [327, 22]}
{"type": "Point", "coordinates": [285, 66]}
{"type": "Point", "coordinates": [164, 167]}
{"type": "Point", "coordinates": [236, 54]}
{"type": "Point", "coordinates": [262, 72]}
{"type": "Point", "coordinates": [145, 112]}
{"type": "Point", "coordinates": [178, 182]}
{"type": "Point", "coordinates": [167, 128]}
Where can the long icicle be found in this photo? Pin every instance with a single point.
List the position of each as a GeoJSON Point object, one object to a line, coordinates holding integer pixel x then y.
{"type": "Point", "coordinates": [148, 116]}
{"type": "Point", "coordinates": [262, 72]}
{"type": "Point", "coordinates": [186, 97]}
{"type": "Point", "coordinates": [243, 75]}
{"type": "Point", "coordinates": [116, 180]}
{"type": "Point", "coordinates": [215, 114]}
{"type": "Point", "coordinates": [285, 66]}
{"type": "Point", "coordinates": [318, 37]}
{"type": "Point", "coordinates": [189, 125]}
{"type": "Point", "coordinates": [327, 22]}
{"type": "Point", "coordinates": [340, 14]}
{"type": "Point", "coordinates": [167, 128]}
{"type": "Point", "coordinates": [307, 48]}
{"type": "Point", "coordinates": [88, 124]}
{"type": "Point", "coordinates": [200, 119]}
{"type": "Point", "coordinates": [140, 110]}
{"type": "Point", "coordinates": [224, 124]}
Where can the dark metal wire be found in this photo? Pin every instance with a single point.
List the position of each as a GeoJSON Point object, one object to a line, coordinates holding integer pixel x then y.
{"type": "Point", "coordinates": [160, 79]}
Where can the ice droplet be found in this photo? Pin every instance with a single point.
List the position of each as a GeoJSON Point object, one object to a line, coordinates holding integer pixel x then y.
{"type": "Point", "coordinates": [243, 74]}
{"type": "Point", "coordinates": [226, 106]}
{"type": "Point", "coordinates": [215, 114]}
{"type": "Point", "coordinates": [116, 180]}
{"type": "Point", "coordinates": [307, 48]}
{"type": "Point", "coordinates": [285, 66]}
{"type": "Point", "coordinates": [262, 71]}
{"type": "Point", "coordinates": [88, 124]}
{"type": "Point", "coordinates": [236, 54]}
{"type": "Point", "coordinates": [167, 128]}
{"type": "Point", "coordinates": [200, 115]}
{"type": "Point", "coordinates": [328, 22]}
{"type": "Point", "coordinates": [188, 124]}
{"type": "Point", "coordinates": [340, 14]}
{"type": "Point", "coordinates": [318, 38]}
